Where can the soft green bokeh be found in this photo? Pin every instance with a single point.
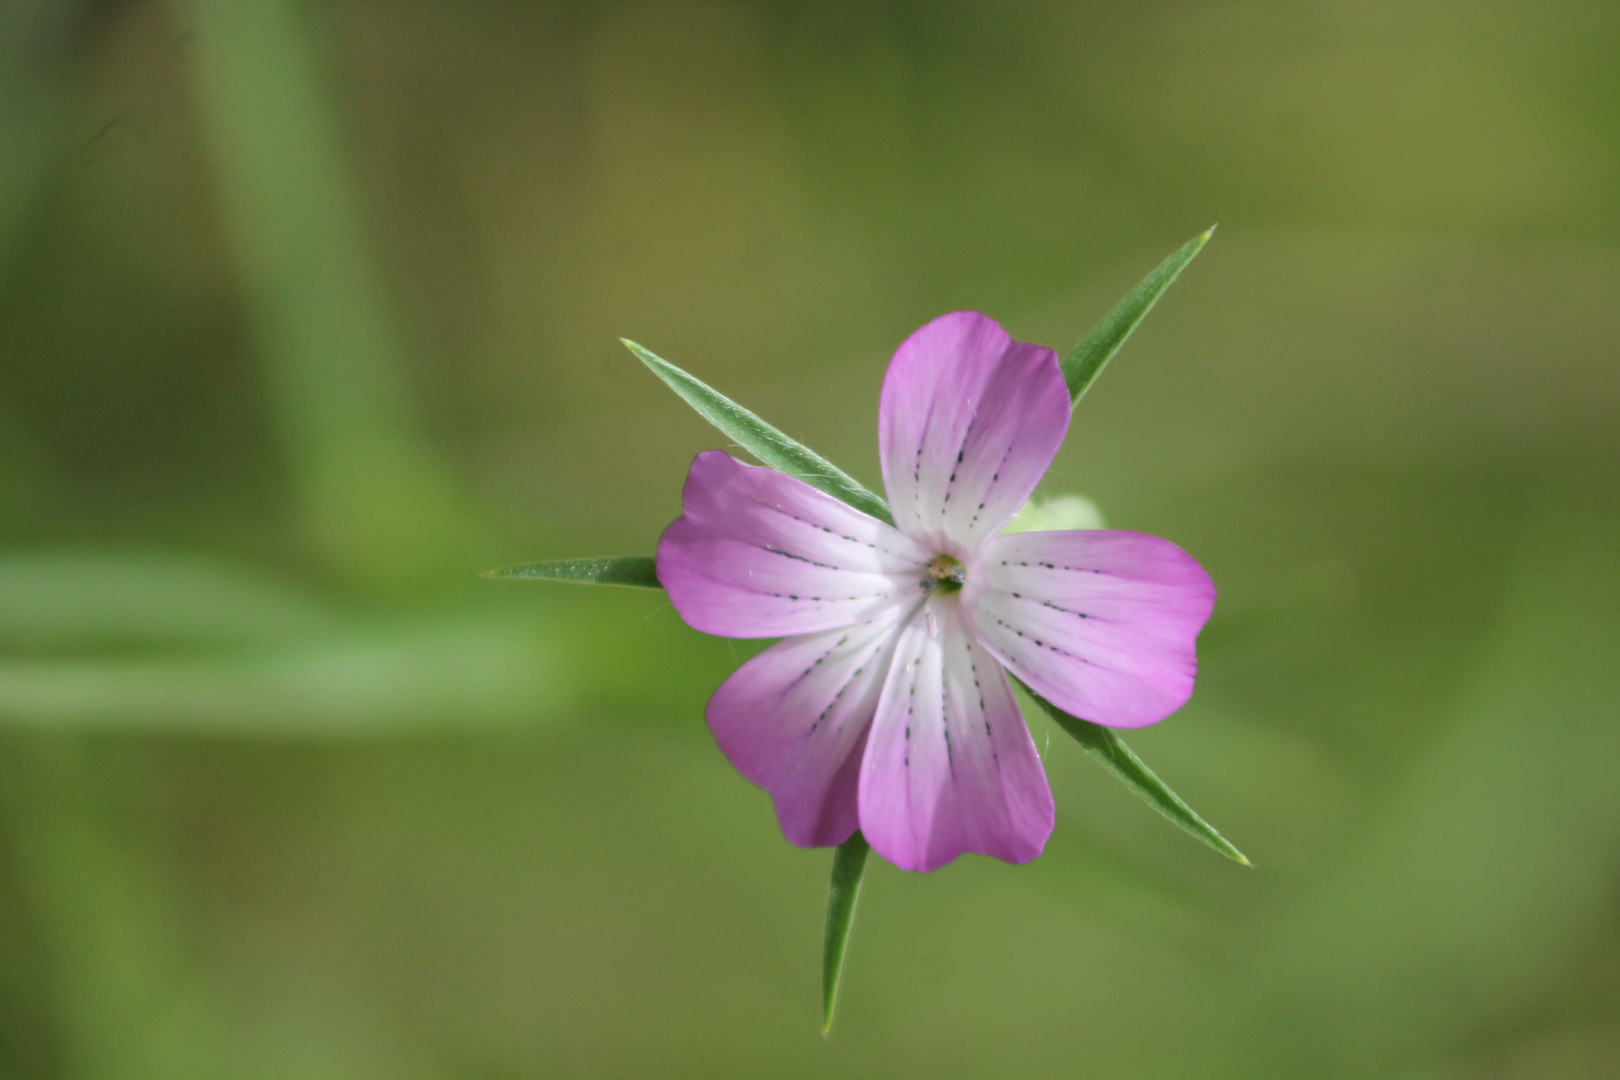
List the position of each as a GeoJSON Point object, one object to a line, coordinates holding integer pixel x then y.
{"type": "Point", "coordinates": [310, 312]}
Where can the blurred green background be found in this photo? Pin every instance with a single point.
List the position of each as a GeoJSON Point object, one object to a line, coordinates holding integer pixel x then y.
{"type": "Point", "coordinates": [309, 312]}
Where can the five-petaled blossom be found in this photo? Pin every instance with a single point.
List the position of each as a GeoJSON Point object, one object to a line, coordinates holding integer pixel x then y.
{"type": "Point", "coordinates": [887, 704]}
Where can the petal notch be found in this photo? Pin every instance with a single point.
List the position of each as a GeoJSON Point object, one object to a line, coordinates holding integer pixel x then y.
{"type": "Point", "coordinates": [968, 422]}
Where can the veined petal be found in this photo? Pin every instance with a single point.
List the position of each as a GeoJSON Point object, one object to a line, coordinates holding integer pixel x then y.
{"type": "Point", "coordinates": [949, 765]}
{"type": "Point", "coordinates": [1101, 623]}
{"type": "Point", "coordinates": [794, 720]}
{"type": "Point", "coordinates": [968, 422]}
{"type": "Point", "coordinates": [760, 554]}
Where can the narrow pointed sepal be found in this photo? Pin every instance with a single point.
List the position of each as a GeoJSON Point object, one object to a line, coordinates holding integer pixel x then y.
{"type": "Point", "coordinates": [1082, 366]}
{"type": "Point", "coordinates": [849, 866]}
{"type": "Point", "coordinates": [635, 571]}
{"type": "Point", "coordinates": [759, 438]}
{"type": "Point", "coordinates": [1112, 753]}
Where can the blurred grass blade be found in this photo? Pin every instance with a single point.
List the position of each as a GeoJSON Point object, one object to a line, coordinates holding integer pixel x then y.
{"type": "Point", "coordinates": [79, 601]}
{"type": "Point", "coordinates": [107, 919]}
{"type": "Point", "coordinates": [1085, 363]}
{"type": "Point", "coordinates": [459, 674]}
{"type": "Point", "coordinates": [636, 571]}
{"type": "Point", "coordinates": [762, 440]}
{"type": "Point", "coordinates": [1107, 747]}
{"type": "Point", "coordinates": [849, 865]}
{"type": "Point", "coordinates": [377, 501]}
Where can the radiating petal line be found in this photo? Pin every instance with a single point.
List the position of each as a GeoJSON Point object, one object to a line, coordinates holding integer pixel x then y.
{"type": "Point", "coordinates": [1103, 623]}
{"type": "Point", "coordinates": [794, 720]}
{"type": "Point", "coordinates": [968, 422]}
{"type": "Point", "coordinates": [760, 554]}
{"type": "Point", "coordinates": [949, 766]}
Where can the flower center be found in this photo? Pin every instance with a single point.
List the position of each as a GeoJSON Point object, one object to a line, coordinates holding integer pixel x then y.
{"type": "Point", "coordinates": [944, 574]}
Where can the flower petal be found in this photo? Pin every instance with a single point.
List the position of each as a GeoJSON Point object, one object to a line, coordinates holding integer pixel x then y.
{"type": "Point", "coordinates": [794, 720]}
{"type": "Point", "coordinates": [760, 554]}
{"type": "Point", "coordinates": [1101, 623]}
{"type": "Point", "coordinates": [949, 765]}
{"type": "Point", "coordinates": [968, 422]}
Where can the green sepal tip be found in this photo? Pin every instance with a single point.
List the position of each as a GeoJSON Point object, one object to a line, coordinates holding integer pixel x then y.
{"type": "Point", "coordinates": [765, 442]}
{"type": "Point", "coordinates": [849, 866]}
{"type": "Point", "coordinates": [635, 571]}
{"type": "Point", "coordinates": [1082, 366]}
{"type": "Point", "coordinates": [1112, 753]}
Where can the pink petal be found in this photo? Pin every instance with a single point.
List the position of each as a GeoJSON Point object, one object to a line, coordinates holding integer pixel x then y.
{"type": "Point", "coordinates": [760, 554]}
{"type": "Point", "coordinates": [950, 766]}
{"type": "Point", "coordinates": [968, 422]}
{"type": "Point", "coordinates": [1101, 623]}
{"type": "Point", "coordinates": [794, 721]}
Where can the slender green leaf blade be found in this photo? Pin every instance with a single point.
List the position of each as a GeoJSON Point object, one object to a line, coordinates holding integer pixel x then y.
{"type": "Point", "coordinates": [849, 865]}
{"type": "Point", "coordinates": [1085, 363]}
{"type": "Point", "coordinates": [636, 571]}
{"type": "Point", "coordinates": [1109, 749]}
{"type": "Point", "coordinates": [761, 439]}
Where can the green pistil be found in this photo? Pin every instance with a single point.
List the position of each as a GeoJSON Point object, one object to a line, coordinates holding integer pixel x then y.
{"type": "Point", "coordinates": [945, 574]}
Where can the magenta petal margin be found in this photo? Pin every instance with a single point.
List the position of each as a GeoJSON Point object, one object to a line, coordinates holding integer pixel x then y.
{"type": "Point", "coordinates": [887, 705]}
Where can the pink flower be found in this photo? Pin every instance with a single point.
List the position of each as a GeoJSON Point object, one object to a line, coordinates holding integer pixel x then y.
{"type": "Point", "coordinates": [886, 705]}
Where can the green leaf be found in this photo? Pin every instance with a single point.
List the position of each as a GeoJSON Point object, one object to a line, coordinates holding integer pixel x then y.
{"type": "Point", "coordinates": [849, 865]}
{"type": "Point", "coordinates": [1085, 363]}
{"type": "Point", "coordinates": [1109, 749]}
{"type": "Point", "coordinates": [762, 440]}
{"type": "Point", "coordinates": [636, 571]}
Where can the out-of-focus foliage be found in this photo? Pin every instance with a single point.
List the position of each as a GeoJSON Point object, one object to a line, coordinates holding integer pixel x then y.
{"type": "Point", "coordinates": [309, 312]}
